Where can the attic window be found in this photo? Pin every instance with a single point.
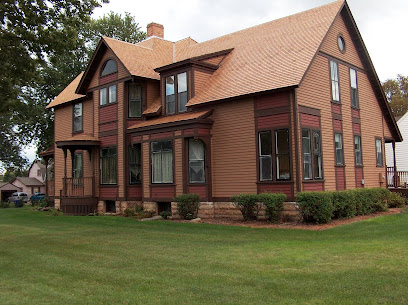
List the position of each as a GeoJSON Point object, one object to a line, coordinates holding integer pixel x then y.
{"type": "Point", "coordinates": [341, 44]}
{"type": "Point", "coordinates": [109, 67]}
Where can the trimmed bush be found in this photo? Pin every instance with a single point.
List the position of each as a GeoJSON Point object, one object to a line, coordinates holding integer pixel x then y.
{"type": "Point", "coordinates": [187, 205]}
{"type": "Point", "coordinates": [315, 207]}
{"type": "Point", "coordinates": [371, 200]}
{"type": "Point", "coordinates": [273, 203]}
{"type": "Point", "coordinates": [344, 203]}
{"type": "Point", "coordinates": [248, 205]}
{"type": "Point", "coordinates": [395, 200]}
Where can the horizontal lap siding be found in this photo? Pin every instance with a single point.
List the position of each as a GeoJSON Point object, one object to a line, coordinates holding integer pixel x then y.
{"type": "Point", "coordinates": [153, 91]}
{"type": "Point", "coordinates": [271, 121]}
{"type": "Point", "coordinates": [188, 131]}
{"type": "Point", "coordinates": [121, 142]}
{"type": "Point", "coordinates": [336, 108]}
{"type": "Point", "coordinates": [330, 44]}
{"type": "Point", "coordinates": [359, 176]}
{"type": "Point", "coordinates": [356, 128]}
{"type": "Point", "coordinates": [162, 192]}
{"type": "Point", "coordinates": [340, 178]}
{"type": "Point", "coordinates": [108, 78]}
{"type": "Point", "coordinates": [285, 188]}
{"type": "Point", "coordinates": [108, 113]}
{"type": "Point", "coordinates": [178, 166]}
{"type": "Point", "coordinates": [108, 126]}
{"type": "Point", "coordinates": [355, 113]}
{"type": "Point", "coordinates": [109, 141]}
{"type": "Point", "coordinates": [146, 169]}
{"type": "Point", "coordinates": [272, 101]}
{"type": "Point", "coordinates": [315, 92]}
{"type": "Point", "coordinates": [233, 149]}
{"type": "Point", "coordinates": [201, 190]}
{"type": "Point", "coordinates": [337, 126]}
{"type": "Point", "coordinates": [108, 192]}
{"type": "Point", "coordinates": [309, 120]}
{"type": "Point", "coordinates": [315, 186]}
{"type": "Point", "coordinates": [161, 135]}
{"type": "Point", "coordinates": [135, 191]}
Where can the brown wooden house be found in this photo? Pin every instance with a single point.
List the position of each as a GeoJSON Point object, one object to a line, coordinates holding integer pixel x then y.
{"type": "Point", "coordinates": [290, 105]}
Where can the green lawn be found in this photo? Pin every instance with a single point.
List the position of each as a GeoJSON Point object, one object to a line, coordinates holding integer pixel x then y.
{"type": "Point", "coordinates": [114, 260]}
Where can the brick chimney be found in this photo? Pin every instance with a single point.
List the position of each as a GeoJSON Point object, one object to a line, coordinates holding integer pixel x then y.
{"type": "Point", "coordinates": [155, 29]}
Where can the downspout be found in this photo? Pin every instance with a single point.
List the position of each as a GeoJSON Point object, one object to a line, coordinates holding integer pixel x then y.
{"type": "Point", "coordinates": [295, 114]}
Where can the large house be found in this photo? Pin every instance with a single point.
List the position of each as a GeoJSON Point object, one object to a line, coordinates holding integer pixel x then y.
{"type": "Point", "coordinates": [286, 106]}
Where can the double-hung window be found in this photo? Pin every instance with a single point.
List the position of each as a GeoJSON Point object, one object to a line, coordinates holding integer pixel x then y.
{"type": "Point", "coordinates": [357, 150]}
{"type": "Point", "coordinates": [282, 154]}
{"type": "Point", "coordinates": [265, 156]}
{"type": "Point", "coordinates": [162, 161]}
{"type": "Point", "coordinates": [312, 154]}
{"type": "Point", "coordinates": [196, 156]}
{"type": "Point", "coordinates": [379, 152]}
{"type": "Point", "coordinates": [176, 83]}
{"type": "Point", "coordinates": [77, 166]}
{"type": "Point", "coordinates": [135, 164]}
{"type": "Point", "coordinates": [334, 75]}
{"type": "Point", "coordinates": [108, 165]}
{"type": "Point", "coordinates": [354, 90]}
{"type": "Point", "coordinates": [107, 95]}
{"type": "Point", "coordinates": [135, 100]}
{"type": "Point", "coordinates": [338, 144]}
{"type": "Point", "coordinates": [77, 122]}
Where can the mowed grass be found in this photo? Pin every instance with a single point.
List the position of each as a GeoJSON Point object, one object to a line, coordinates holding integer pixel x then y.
{"type": "Point", "coordinates": [114, 260]}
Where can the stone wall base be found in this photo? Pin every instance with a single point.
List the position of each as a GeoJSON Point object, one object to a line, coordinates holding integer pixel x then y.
{"type": "Point", "coordinates": [57, 204]}
{"type": "Point", "coordinates": [121, 206]}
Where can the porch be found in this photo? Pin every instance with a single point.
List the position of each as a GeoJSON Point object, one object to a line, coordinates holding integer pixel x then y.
{"type": "Point", "coordinates": [397, 181]}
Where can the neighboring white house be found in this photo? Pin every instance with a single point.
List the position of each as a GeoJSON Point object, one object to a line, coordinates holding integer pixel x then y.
{"type": "Point", "coordinates": [29, 185]}
{"type": "Point", "coordinates": [401, 148]}
{"type": "Point", "coordinates": [37, 170]}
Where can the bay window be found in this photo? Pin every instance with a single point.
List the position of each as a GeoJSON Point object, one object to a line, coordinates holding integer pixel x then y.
{"type": "Point", "coordinates": [108, 165]}
{"type": "Point", "coordinates": [196, 153]}
{"type": "Point", "coordinates": [162, 161]}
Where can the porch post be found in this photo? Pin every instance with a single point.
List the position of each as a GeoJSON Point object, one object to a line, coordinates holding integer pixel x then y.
{"type": "Point", "coordinates": [64, 185]}
{"type": "Point", "coordinates": [396, 184]}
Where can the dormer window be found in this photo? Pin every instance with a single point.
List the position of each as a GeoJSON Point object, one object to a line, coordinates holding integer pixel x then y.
{"type": "Point", "coordinates": [176, 83]}
{"type": "Point", "coordinates": [109, 67]}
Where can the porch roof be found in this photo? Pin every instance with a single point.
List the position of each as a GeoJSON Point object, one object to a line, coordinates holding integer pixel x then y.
{"type": "Point", "coordinates": [170, 120]}
{"type": "Point", "coordinates": [80, 141]}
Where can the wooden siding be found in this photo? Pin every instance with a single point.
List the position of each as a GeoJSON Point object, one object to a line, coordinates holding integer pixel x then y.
{"type": "Point", "coordinates": [63, 131]}
{"type": "Point", "coordinates": [121, 149]}
{"type": "Point", "coordinates": [330, 47]}
{"type": "Point", "coordinates": [178, 166]}
{"type": "Point", "coordinates": [108, 126]}
{"type": "Point", "coordinates": [356, 128]}
{"type": "Point", "coordinates": [285, 188]}
{"type": "Point", "coordinates": [161, 135]}
{"type": "Point", "coordinates": [109, 141]}
{"type": "Point", "coordinates": [359, 176]}
{"type": "Point", "coordinates": [309, 120]}
{"type": "Point", "coordinates": [315, 92]}
{"type": "Point", "coordinates": [313, 186]}
{"type": "Point", "coordinates": [233, 149]}
{"type": "Point", "coordinates": [198, 189]}
{"type": "Point", "coordinates": [152, 91]}
{"type": "Point", "coordinates": [337, 126]}
{"type": "Point", "coordinates": [108, 113]}
{"type": "Point", "coordinates": [272, 100]}
{"type": "Point", "coordinates": [200, 78]}
{"type": "Point", "coordinates": [271, 121]}
{"type": "Point", "coordinates": [162, 192]}
{"type": "Point", "coordinates": [355, 113]}
{"type": "Point", "coordinates": [108, 78]}
{"type": "Point", "coordinates": [108, 192]}
{"type": "Point", "coordinates": [146, 169]}
{"type": "Point", "coordinates": [122, 72]}
{"type": "Point", "coordinates": [135, 191]}
{"type": "Point", "coordinates": [336, 108]}
{"type": "Point", "coordinates": [340, 178]}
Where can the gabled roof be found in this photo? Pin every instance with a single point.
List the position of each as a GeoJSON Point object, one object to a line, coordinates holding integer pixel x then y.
{"type": "Point", "coordinates": [27, 181]}
{"type": "Point", "coordinates": [68, 94]}
{"type": "Point", "coordinates": [5, 186]}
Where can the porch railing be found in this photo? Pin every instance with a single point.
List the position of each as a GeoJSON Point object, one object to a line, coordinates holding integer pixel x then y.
{"type": "Point", "coordinates": [401, 179]}
{"type": "Point", "coordinates": [78, 187]}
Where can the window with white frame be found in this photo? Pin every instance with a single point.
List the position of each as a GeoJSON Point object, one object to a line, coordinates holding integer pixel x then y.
{"type": "Point", "coordinates": [162, 161]}
{"type": "Point", "coordinates": [357, 150]}
{"type": "Point", "coordinates": [196, 161]}
{"type": "Point", "coordinates": [338, 144]}
{"type": "Point", "coordinates": [354, 90]}
{"type": "Point", "coordinates": [77, 122]}
{"type": "Point", "coordinates": [107, 95]}
{"type": "Point", "coordinates": [334, 75]}
{"type": "Point", "coordinates": [379, 152]}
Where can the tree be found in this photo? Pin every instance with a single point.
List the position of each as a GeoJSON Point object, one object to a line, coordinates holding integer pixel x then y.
{"type": "Point", "coordinates": [31, 32]}
{"type": "Point", "coordinates": [13, 172]}
{"type": "Point", "coordinates": [396, 91]}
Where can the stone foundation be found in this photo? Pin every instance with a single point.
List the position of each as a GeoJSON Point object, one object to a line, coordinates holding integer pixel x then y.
{"type": "Point", "coordinates": [120, 206]}
{"type": "Point", "coordinates": [57, 204]}
{"type": "Point", "coordinates": [228, 210]}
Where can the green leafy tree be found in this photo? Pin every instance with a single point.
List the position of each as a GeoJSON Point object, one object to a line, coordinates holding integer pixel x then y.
{"type": "Point", "coordinates": [396, 91]}
{"type": "Point", "coordinates": [13, 172]}
{"type": "Point", "coordinates": [31, 33]}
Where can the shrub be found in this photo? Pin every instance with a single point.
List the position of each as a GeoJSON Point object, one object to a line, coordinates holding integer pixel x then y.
{"type": "Point", "coordinates": [371, 200]}
{"type": "Point", "coordinates": [247, 204]}
{"type": "Point", "coordinates": [344, 203]}
{"type": "Point", "coordinates": [4, 205]}
{"type": "Point", "coordinates": [273, 203]}
{"type": "Point", "coordinates": [395, 200]}
{"type": "Point", "coordinates": [165, 214]}
{"type": "Point", "coordinates": [187, 205]}
{"type": "Point", "coordinates": [43, 203]}
{"type": "Point", "coordinates": [315, 207]}
{"type": "Point", "coordinates": [129, 212]}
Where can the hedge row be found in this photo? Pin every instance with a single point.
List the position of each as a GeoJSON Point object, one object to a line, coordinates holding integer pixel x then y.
{"type": "Point", "coordinates": [322, 207]}
{"type": "Point", "coordinates": [250, 204]}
